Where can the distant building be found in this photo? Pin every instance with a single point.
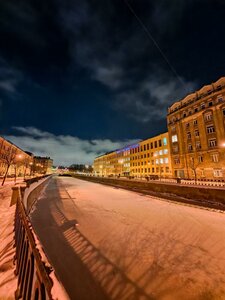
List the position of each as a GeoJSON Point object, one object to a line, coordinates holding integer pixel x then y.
{"type": "Point", "coordinates": [14, 160]}
{"type": "Point", "coordinates": [42, 165]}
{"type": "Point", "coordinates": [196, 127]}
{"type": "Point", "coordinates": [150, 157]}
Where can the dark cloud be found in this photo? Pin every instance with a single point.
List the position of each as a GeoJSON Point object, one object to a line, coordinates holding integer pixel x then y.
{"type": "Point", "coordinates": [88, 68]}
{"type": "Point", "coordinates": [64, 149]}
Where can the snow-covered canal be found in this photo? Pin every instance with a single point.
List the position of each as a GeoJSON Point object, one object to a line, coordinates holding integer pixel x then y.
{"type": "Point", "coordinates": [135, 246]}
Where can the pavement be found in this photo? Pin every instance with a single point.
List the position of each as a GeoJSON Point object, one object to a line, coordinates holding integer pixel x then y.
{"type": "Point", "coordinates": [109, 243]}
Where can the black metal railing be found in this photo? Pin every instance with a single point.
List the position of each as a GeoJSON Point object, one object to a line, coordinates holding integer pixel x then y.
{"type": "Point", "coordinates": [33, 275]}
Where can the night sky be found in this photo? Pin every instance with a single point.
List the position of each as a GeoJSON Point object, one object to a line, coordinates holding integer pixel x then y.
{"type": "Point", "coordinates": [79, 78]}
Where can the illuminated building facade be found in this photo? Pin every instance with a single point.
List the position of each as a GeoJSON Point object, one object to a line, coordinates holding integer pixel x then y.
{"type": "Point", "coordinates": [42, 165]}
{"type": "Point", "coordinates": [150, 157]}
{"type": "Point", "coordinates": [14, 159]}
{"type": "Point", "coordinates": [196, 127]}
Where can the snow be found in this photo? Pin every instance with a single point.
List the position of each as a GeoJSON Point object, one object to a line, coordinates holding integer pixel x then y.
{"type": "Point", "coordinates": [168, 250]}
{"type": "Point", "coordinates": [31, 188]}
{"type": "Point", "coordinates": [57, 291]}
{"type": "Point", "coordinates": [8, 281]}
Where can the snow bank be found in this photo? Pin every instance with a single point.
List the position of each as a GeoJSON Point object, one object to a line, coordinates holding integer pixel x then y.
{"type": "Point", "coordinates": [8, 280]}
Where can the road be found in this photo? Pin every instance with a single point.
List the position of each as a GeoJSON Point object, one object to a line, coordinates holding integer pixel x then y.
{"type": "Point", "coordinates": [109, 243]}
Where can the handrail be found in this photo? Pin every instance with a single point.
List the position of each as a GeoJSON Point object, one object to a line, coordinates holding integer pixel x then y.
{"type": "Point", "coordinates": [33, 275]}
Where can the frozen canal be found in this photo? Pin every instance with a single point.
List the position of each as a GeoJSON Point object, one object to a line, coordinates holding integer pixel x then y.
{"type": "Point", "coordinates": [134, 246]}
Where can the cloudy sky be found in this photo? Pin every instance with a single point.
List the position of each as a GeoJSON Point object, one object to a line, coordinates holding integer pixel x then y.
{"type": "Point", "coordinates": [79, 78]}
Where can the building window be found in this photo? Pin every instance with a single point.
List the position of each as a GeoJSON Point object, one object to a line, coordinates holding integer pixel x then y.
{"type": "Point", "coordinates": [220, 99]}
{"type": "Point", "coordinates": [152, 162]}
{"type": "Point", "coordinates": [161, 160]}
{"type": "Point", "coordinates": [160, 152]}
{"type": "Point", "coordinates": [208, 117]}
{"type": "Point", "coordinates": [160, 143]}
{"type": "Point", "coordinates": [153, 170]}
{"type": "Point", "coordinates": [198, 145]}
{"type": "Point", "coordinates": [175, 149]}
{"type": "Point", "coordinates": [174, 138]}
{"type": "Point", "coordinates": [144, 147]}
{"type": "Point", "coordinates": [176, 160]}
{"type": "Point", "coordinates": [200, 159]}
{"type": "Point", "coordinates": [217, 173]}
{"type": "Point", "coordinates": [165, 151]}
{"type": "Point", "coordinates": [157, 161]}
{"type": "Point", "coordinates": [215, 157]}
{"type": "Point", "coordinates": [166, 160]}
{"type": "Point", "coordinates": [210, 103]}
{"type": "Point", "coordinates": [147, 146]}
{"type": "Point", "coordinates": [195, 122]}
{"type": "Point", "coordinates": [184, 114]}
{"type": "Point", "coordinates": [196, 109]}
{"type": "Point", "coordinates": [210, 129]}
{"type": "Point", "coordinates": [224, 112]}
{"type": "Point", "coordinates": [167, 169]}
{"type": "Point", "coordinates": [196, 133]}
{"type": "Point", "coordinates": [173, 129]}
{"type": "Point", "coordinates": [212, 143]}
{"type": "Point", "coordinates": [202, 105]}
{"type": "Point", "coordinates": [187, 125]}
{"type": "Point", "coordinates": [155, 144]}
{"type": "Point", "coordinates": [190, 148]}
{"type": "Point", "coordinates": [151, 145]}
{"type": "Point", "coordinates": [165, 139]}
{"type": "Point", "coordinates": [188, 135]}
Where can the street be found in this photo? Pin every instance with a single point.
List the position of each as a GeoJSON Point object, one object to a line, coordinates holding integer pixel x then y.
{"type": "Point", "coordinates": [110, 243]}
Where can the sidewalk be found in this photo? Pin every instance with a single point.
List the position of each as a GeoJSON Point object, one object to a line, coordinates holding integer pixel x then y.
{"type": "Point", "coordinates": [8, 281]}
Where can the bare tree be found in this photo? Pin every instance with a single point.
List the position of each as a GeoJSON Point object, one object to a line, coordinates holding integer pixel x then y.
{"type": "Point", "coordinates": [194, 163]}
{"type": "Point", "coordinates": [8, 159]}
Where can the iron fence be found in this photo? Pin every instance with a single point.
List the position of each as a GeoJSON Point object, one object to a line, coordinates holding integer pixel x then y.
{"type": "Point", "coordinates": [33, 275]}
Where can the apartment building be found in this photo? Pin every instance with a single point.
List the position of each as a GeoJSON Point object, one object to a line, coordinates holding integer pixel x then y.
{"type": "Point", "coordinates": [42, 165]}
{"type": "Point", "coordinates": [196, 127]}
{"type": "Point", "coordinates": [14, 159]}
{"type": "Point", "coordinates": [150, 157]}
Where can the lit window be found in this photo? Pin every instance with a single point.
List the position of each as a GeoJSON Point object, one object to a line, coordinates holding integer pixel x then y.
{"type": "Point", "coordinates": [166, 160]}
{"type": "Point", "coordinates": [160, 152]}
{"type": "Point", "coordinates": [165, 151]}
{"type": "Point", "coordinates": [165, 139]}
{"type": "Point", "coordinates": [161, 160]}
{"type": "Point", "coordinates": [174, 138]}
{"type": "Point", "coordinates": [157, 161]}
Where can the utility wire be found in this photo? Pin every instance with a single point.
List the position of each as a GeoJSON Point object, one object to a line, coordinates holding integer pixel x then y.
{"type": "Point", "coordinates": [150, 36]}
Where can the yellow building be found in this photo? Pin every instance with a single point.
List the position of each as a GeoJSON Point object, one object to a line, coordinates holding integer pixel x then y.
{"type": "Point", "coordinates": [196, 126]}
{"type": "Point", "coordinates": [42, 165]}
{"type": "Point", "coordinates": [148, 158]}
{"type": "Point", "coordinates": [14, 160]}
